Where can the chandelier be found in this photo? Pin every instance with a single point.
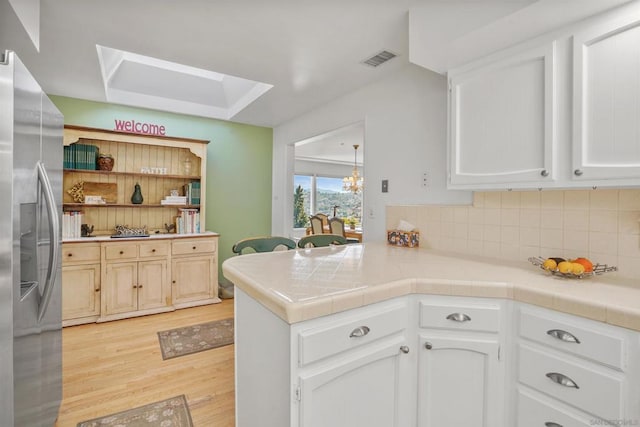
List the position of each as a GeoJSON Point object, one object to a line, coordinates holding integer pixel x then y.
{"type": "Point", "coordinates": [355, 182]}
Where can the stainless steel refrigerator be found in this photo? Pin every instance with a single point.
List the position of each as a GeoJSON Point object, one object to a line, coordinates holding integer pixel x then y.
{"type": "Point", "coordinates": [30, 274]}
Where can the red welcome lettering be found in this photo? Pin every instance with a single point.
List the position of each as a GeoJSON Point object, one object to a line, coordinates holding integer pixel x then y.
{"type": "Point", "coordinates": [139, 127]}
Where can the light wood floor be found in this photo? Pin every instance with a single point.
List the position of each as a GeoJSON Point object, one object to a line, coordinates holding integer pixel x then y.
{"type": "Point", "coordinates": [114, 366]}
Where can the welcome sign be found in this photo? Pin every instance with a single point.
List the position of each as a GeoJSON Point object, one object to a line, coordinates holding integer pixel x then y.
{"type": "Point", "coordinates": [133, 126]}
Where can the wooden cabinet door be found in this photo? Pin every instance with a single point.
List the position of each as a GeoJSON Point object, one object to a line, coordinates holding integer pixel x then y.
{"type": "Point", "coordinates": [152, 284]}
{"type": "Point", "coordinates": [502, 120]}
{"type": "Point", "coordinates": [193, 278]}
{"type": "Point", "coordinates": [460, 383]}
{"type": "Point", "coordinates": [606, 128]}
{"type": "Point", "coordinates": [81, 291]}
{"type": "Point", "coordinates": [367, 390]}
{"type": "Point", "coordinates": [120, 288]}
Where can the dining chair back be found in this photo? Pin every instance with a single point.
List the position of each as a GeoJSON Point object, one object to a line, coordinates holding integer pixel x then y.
{"type": "Point", "coordinates": [318, 240]}
{"type": "Point", "coordinates": [324, 218]}
{"type": "Point", "coordinates": [263, 244]}
{"type": "Point", "coordinates": [336, 225]}
{"type": "Point", "coordinates": [317, 226]}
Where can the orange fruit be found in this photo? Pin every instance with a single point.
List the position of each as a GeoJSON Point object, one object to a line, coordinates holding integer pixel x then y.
{"type": "Point", "coordinates": [588, 265]}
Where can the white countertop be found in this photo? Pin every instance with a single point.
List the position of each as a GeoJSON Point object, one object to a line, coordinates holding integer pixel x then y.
{"type": "Point", "coordinates": [151, 236]}
{"type": "Point", "coordinates": [304, 284]}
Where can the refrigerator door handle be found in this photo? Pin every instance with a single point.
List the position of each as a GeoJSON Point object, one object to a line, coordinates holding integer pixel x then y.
{"type": "Point", "coordinates": [54, 234]}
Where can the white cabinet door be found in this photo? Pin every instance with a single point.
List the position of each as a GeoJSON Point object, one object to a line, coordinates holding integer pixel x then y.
{"type": "Point", "coordinates": [606, 117]}
{"type": "Point", "coordinates": [502, 119]}
{"type": "Point", "coordinates": [359, 390]}
{"type": "Point", "coordinates": [460, 382]}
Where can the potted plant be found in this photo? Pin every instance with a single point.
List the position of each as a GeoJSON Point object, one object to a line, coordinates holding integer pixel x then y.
{"type": "Point", "coordinates": [351, 222]}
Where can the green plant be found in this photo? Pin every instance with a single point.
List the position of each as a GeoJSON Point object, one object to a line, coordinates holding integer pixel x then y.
{"type": "Point", "coordinates": [300, 218]}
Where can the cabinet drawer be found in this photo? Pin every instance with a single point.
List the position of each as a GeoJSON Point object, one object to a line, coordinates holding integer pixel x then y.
{"type": "Point", "coordinates": [582, 337]}
{"type": "Point", "coordinates": [80, 253]}
{"type": "Point", "coordinates": [317, 343]}
{"type": "Point", "coordinates": [464, 316]}
{"type": "Point", "coordinates": [538, 411]}
{"type": "Point", "coordinates": [113, 252]}
{"type": "Point", "coordinates": [154, 249]}
{"type": "Point", "coordinates": [593, 389]}
{"type": "Point", "coordinates": [192, 246]}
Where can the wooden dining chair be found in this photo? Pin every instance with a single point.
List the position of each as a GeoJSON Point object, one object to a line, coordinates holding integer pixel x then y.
{"type": "Point", "coordinates": [263, 244]}
{"type": "Point", "coordinates": [318, 240]}
{"type": "Point", "coordinates": [336, 226]}
{"type": "Point", "coordinates": [324, 218]}
{"type": "Point", "coordinates": [317, 226]}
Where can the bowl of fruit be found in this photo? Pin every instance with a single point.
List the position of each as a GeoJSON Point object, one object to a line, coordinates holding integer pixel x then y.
{"type": "Point", "coordinates": [576, 268]}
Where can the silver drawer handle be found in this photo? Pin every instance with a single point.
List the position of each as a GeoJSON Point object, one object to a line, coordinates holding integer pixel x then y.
{"type": "Point", "coordinates": [404, 349]}
{"type": "Point", "coordinates": [360, 331]}
{"type": "Point", "coordinates": [552, 424]}
{"type": "Point", "coordinates": [562, 380]}
{"type": "Point", "coordinates": [563, 335]}
{"type": "Point", "coordinates": [458, 317]}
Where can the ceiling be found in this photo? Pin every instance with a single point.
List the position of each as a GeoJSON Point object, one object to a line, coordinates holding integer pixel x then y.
{"type": "Point", "coordinates": [334, 147]}
{"type": "Point", "coordinates": [311, 52]}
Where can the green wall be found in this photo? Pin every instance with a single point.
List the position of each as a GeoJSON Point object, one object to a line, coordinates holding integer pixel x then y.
{"type": "Point", "coordinates": [238, 164]}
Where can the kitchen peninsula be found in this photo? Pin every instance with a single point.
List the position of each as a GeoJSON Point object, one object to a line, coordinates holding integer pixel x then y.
{"type": "Point", "coordinates": [383, 336]}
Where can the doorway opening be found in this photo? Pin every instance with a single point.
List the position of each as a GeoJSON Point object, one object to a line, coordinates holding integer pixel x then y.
{"type": "Point", "coordinates": [321, 165]}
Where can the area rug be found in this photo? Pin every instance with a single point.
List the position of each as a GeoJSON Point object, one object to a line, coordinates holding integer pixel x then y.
{"type": "Point", "coordinates": [173, 412]}
{"type": "Point", "coordinates": [195, 338]}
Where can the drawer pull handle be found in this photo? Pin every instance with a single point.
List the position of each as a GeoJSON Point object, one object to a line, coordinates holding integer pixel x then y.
{"type": "Point", "coordinates": [404, 349]}
{"type": "Point", "coordinates": [70, 254]}
{"type": "Point", "coordinates": [562, 380]}
{"type": "Point", "coordinates": [153, 250]}
{"type": "Point", "coordinates": [360, 331]}
{"type": "Point", "coordinates": [121, 252]}
{"type": "Point", "coordinates": [563, 335]}
{"type": "Point", "coordinates": [552, 424]}
{"type": "Point", "coordinates": [458, 317]}
{"type": "Point", "coordinates": [194, 248]}
{"type": "Point", "coordinates": [428, 345]}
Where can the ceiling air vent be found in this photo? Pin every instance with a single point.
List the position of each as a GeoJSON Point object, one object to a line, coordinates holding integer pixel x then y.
{"type": "Point", "coordinates": [379, 58]}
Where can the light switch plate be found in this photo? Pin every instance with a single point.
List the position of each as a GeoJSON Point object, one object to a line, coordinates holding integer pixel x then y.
{"type": "Point", "coordinates": [385, 185]}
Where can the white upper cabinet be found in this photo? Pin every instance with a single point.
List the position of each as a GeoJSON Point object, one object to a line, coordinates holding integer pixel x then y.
{"type": "Point", "coordinates": [558, 111]}
{"type": "Point", "coordinates": [502, 120]}
{"type": "Point", "coordinates": [606, 101]}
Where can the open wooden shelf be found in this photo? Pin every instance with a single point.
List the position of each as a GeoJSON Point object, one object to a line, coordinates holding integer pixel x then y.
{"type": "Point", "coordinates": [157, 175]}
{"type": "Point", "coordinates": [126, 205]}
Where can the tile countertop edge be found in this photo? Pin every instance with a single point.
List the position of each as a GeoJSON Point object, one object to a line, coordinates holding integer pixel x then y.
{"type": "Point", "coordinates": [595, 305]}
{"type": "Point", "coordinates": [287, 311]}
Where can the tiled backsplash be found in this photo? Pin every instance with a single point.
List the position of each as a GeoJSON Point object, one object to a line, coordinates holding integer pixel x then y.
{"type": "Point", "coordinates": [603, 225]}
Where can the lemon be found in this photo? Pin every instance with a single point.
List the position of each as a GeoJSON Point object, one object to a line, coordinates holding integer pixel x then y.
{"type": "Point", "coordinates": [565, 267]}
{"type": "Point", "coordinates": [549, 264]}
{"type": "Point", "coordinates": [577, 268]}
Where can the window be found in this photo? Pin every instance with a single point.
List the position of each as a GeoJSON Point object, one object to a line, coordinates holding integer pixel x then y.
{"type": "Point", "coordinates": [320, 194]}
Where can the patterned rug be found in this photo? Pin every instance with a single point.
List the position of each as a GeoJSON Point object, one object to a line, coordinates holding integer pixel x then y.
{"type": "Point", "coordinates": [172, 412]}
{"type": "Point", "coordinates": [195, 338]}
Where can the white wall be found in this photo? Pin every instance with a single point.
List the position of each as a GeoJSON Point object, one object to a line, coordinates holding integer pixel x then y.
{"type": "Point", "coordinates": [405, 119]}
{"type": "Point", "coordinates": [305, 167]}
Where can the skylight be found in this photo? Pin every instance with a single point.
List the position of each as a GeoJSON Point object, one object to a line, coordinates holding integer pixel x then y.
{"type": "Point", "coordinates": [147, 82]}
